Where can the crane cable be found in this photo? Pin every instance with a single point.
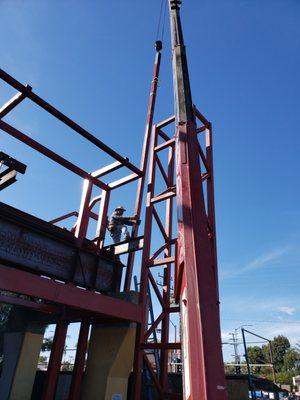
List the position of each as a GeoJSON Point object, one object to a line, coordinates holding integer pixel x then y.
{"type": "Point", "coordinates": [161, 20]}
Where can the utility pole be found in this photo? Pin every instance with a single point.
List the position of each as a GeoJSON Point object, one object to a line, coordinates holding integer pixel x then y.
{"type": "Point", "coordinates": [236, 354]}
{"type": "Point", "coordinates": [197, 280]}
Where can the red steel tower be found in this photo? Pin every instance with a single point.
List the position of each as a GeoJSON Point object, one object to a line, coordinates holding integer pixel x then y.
{"type": "Point", "coordinates": [193, 253]}
{"type": "Point", "coordinates": [197, 280]}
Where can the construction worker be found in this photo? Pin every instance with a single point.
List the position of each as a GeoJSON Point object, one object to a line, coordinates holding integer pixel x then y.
{"type": "Point", "coordinates": [117, 225]}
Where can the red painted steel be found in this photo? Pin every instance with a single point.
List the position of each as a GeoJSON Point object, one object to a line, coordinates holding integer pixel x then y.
{"type": "Point", "coordinates": [63, 217]}
{"type": "Point", "coordinates": [167, 271]}
{"type": "Point", "coordinates": [150, 260]}
{"type": "Point", "coordinates": [102, 218]}
{"type": "Point", "coordinates": [55, 360]}
{"type": "Point", "coordinates": [197, 279]}
{"type": "Point", "coordinates": [50, 154]}
{"type": "Point", "coordinates": [27, 91]}
{"type": "Point", "coordinates": [198, 289]}
{"type": "Point", "coordinates": [139, 353]}
{"type": "Point", "coordinates": [84, 211]}
{"type": "Point", "coordinates": [26, 283]}
{"type": "Point", "coordinates": [12, 103]}
{"type": "Point", "coordinates": [36, 306]}
{"type": "Point", "coordinates": [79, 361]}
{"type": "Point", "coordinates": [144, 161]}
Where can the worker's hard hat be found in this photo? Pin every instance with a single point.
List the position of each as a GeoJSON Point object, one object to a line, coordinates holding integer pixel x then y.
{"type": "Point", "coordinates": [120, 208]}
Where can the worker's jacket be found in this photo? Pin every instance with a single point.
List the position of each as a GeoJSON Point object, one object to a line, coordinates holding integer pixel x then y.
{"type": "Point", "coordinates": [116, 221]}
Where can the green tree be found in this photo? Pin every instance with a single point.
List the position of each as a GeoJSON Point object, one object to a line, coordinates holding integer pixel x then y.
{"type": "Point", "coordinates": [67, 366]}
{"type": "Point", "coordinates": [229, 369]}
{"type": "Point", "coordinates": [284, 378]}
{"type": "Point", "coordinates": [291, 361]}
{"type": "Point", "coordinates": [42, 364]}
{"type": "Point", "coordinates": [280, 345]}
{"type": "Point", "coordinates": [256, 356]}
{"type": "Point", "coordinates": [47, 344]}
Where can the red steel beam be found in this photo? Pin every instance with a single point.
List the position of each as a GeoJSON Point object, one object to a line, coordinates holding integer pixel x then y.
{"type": "Point", "coordinates": [152, 374]}
{"type": "Point", "coordinates": [154, 325]}
{"type": "Point", "coordinates": [157, 252]}
{"type": "Point", "coordinates": [173, 310]}
{"type": "Point", "coordinates": [107, 169]}
{"type": "Point", "coordinates": [17, 281]}
{"type": "Point", "coordinates": [123, 181]}
{"type": "Point", "coordinates": [164, 136]}
{"type": "Point", "coordinates": [66, 120]}
{"type": "Point", "coordinates": [160, 224]}
{"type": "Point", "coordinates": [63, 217]}
{"type": "Point", "coordinates": [165, 122]}
{"type": "Point", "coordinates": [94, 201]}
{"type": "Point", "coordinates": [19, 301]}
{"type": "Point", "coordinates": [201, 117]}
{"type": "Point", "coordinates": [12, 103]}
{"type": "Point", "coordinates": [159, 346]}
{"type": "Point", "coordinates": [50, 154]}
{"type": "Point", "coordinates": [164, 145]}
{"type": "Point", "coordinates": [162, 170]}
{"type": "Point", "coordinates": [163, 196]}
{"type": "Point", "coordinates": [161, 261]}
{"type": "Point", "coordinates": [156, 290]}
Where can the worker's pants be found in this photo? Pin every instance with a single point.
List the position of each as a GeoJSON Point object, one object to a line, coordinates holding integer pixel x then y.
{"type": "Point", "coordinates": [120, 233]}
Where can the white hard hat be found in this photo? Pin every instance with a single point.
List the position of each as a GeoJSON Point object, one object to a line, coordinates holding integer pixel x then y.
{"type": "Point", "coordinates": [120, 208]}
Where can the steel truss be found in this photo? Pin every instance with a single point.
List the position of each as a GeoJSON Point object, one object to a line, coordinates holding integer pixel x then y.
{"type": "Point", "coordinates": [166, 254]}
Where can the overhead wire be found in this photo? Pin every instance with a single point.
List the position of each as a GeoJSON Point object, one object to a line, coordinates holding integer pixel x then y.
{"type": "Point", "coordinates": [262, 322]}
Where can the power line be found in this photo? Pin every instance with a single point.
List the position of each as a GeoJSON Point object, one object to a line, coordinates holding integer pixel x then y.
{"type": "Point", "coordinates": [261, 321]}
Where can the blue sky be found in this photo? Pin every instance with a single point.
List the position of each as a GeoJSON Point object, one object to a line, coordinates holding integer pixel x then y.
{"type": "Point", "coordinates": [93, 60]}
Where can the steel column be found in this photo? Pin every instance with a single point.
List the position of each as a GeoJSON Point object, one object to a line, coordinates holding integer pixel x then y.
{"type": "Point", "coordinates": [79, 361]}
{"type": "Point", "coordinates": [102, 218]}
{"type": "Point", "coordinates": [144, 161]}
{"type": "Point", "coordinates": [203, 369]}
{"type": "Point", "coordinates": [55, 360]}
{"type": "Point", "coordinates": [167, 274]}
{"type": "Point", "coordinates": [139, 354]}
{"type": "Point", "coordinates": [84, 211]}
